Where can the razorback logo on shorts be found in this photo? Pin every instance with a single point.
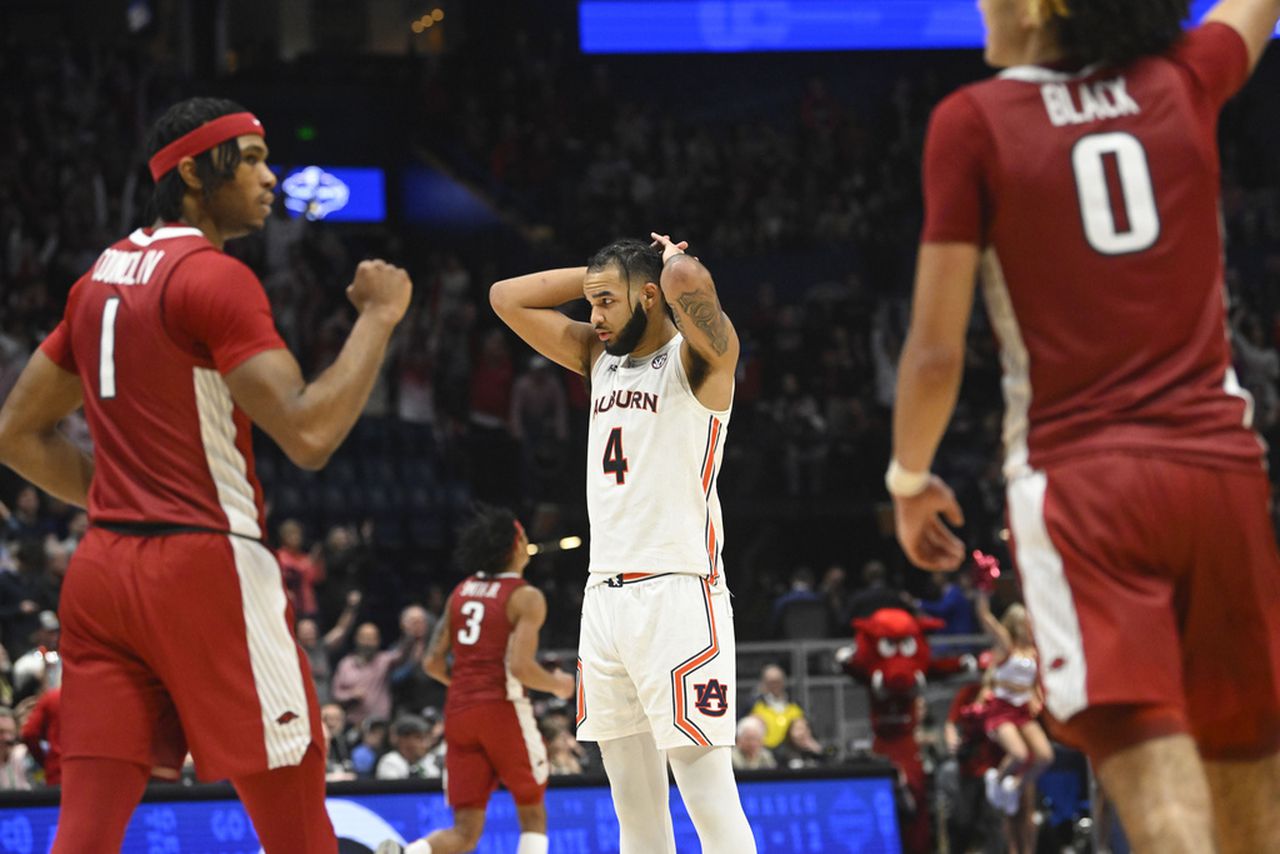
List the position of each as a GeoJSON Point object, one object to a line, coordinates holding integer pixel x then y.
{"type": "Point", "coordinates": [713, 698]}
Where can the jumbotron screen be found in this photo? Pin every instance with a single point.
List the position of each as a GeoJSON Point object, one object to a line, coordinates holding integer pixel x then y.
{"type": "Point", "coordinates": [745, 26]}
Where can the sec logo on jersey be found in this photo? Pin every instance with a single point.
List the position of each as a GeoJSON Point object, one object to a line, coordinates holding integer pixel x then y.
{"type": "Point", "coordinates": [659, 360]}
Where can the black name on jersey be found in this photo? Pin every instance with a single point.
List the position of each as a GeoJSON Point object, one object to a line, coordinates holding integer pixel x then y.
{"type": "Point", "coordinates": [626, 399]}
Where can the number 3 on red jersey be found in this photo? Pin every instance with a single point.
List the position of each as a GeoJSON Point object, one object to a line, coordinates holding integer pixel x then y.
{"type": "Point", "coordinates": [470, 633]}
{"type": "Point", "coordinates": [1103, 161]}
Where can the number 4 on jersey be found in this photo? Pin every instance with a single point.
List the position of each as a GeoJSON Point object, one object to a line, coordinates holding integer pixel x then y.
{"type": "Point", "coordinates": [615, 462]}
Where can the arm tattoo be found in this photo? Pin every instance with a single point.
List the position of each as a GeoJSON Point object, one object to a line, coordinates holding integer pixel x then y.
{"type": "Point", "coordinates": [704, 310]}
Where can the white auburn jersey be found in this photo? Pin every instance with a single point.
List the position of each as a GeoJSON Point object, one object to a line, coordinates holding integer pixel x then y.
{"type": "Point", "coordinates": [653, 454]}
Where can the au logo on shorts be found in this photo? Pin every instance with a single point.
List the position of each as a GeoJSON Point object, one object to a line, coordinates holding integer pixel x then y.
{"type": "Point", "coordinates": [713, 698]}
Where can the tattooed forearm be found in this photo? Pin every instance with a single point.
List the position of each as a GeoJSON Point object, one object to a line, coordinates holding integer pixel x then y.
{"type": "Point", "coordinates": [704, 310]}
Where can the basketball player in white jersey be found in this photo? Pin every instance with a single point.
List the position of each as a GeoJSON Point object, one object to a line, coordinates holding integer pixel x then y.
{"type": "Point", "coordinates": [656, 669]}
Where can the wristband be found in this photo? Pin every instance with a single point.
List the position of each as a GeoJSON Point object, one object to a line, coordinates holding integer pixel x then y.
{"type": "Point", "coordinates": [905, 484]}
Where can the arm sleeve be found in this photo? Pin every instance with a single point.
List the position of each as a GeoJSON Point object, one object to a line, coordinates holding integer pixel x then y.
{"type": "Point", "coordinates": [1217, 58]}
{"type": "Point", "coordinates": [58, 347]}
{"type": "Point", "coordinates": [216, 306]}
{"type": "Point", "coordinates": [955, 196]}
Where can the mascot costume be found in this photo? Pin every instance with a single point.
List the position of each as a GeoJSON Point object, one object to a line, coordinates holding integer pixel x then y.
{"type": "Point", "coordinates": [891, 657]}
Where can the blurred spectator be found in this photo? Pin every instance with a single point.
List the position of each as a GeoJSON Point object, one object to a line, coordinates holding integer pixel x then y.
{"type": "Point", "coordinates": [77, 527]}
{"type": "Point", "coordinates": [953, 602]}
{"type": "Point", "coordinates": [362, 682]}
{"type": "Point", "coordinates": [42, 734]}
{"type": "Point", "coordinates": [970, 818]}
{"type": "Point", "coordinates": [799, 749]}
{"type": "Point", "coordinates": [800, 612]}
{"type": "Point", "coordinates": [875, 593]}
{"type": "Point", "coordinates": [540, 423]}
{"type": "Point", "coordinates": [319, 651]}
{"type": "Point", "coordinates": [834, 590]}
{"type": "Point", "coordinates": [6, 679]}
{"type": "Point", "coordinates": [20, 602]}
{"type": "Point", "coordinates": [339, 764]}
{"type": "Point", "coordinates": [345, 556]}
{"type": "Point", "coordinates": [412, 690]}
{"type": "Point", "coordinates": [564, 753]}
{"type": "Point", "coordinates": [24, 522]}
{"type": "Point", "coordinates": [13, 754]}
{"type": "Point", "coordinates": [410, 754]}
{"type": "Point", "coordinates": [374, 734]}
{"type": "Point", "coordinates": [49, 585]}
{"type": "Point", "coordinates": [803, 429]}
{"type": "Point", "coordinates": [772, 705]}
{"type": "Point", "coordinates": [302, 570]}
{"type": "Point", "coordinates": [749, 751]}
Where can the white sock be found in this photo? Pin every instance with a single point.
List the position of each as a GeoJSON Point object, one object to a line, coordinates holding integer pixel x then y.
{"type": "Point", "coordinates": [422, 846]}
{"type": "Point", "coordinates": [531, 843]}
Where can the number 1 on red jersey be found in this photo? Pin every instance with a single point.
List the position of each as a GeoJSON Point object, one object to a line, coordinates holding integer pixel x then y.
{"type": "Point", "coordinates": [107, 350]}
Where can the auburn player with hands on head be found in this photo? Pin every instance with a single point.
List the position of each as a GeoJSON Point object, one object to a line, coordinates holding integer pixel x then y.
{"type": "Point", "coordinates": [172, 606]}
{"type": "Point", "coordinates": [1082, 184]}
{"type": "Point", "coordinates": [490, 626]}
{"type": "Point", "coordinates": [657, 656]}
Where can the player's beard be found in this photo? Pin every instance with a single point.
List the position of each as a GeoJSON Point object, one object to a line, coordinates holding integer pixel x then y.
{"type": "Point", "coordinates": [627, 339]}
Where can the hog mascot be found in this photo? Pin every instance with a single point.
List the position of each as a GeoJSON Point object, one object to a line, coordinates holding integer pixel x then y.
{"type": "Point", "coordinates": [891, 657]}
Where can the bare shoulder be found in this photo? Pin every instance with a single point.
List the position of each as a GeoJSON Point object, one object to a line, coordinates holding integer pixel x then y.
{"type": "Point", "coordinates": [527, 601]}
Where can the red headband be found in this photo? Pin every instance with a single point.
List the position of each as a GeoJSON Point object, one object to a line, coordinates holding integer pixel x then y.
{"type": "Point", "coordinates": [202, 139]}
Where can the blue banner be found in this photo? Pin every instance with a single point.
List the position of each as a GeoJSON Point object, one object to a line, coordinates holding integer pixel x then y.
{"type": "Point", "coordinates": [823, 816]}
{"type": "Point", "coordinates": [735, 26]}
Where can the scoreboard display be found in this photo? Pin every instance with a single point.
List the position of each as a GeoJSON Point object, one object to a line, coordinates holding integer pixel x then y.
{"type": "Point", "coordinates": [796, 816]}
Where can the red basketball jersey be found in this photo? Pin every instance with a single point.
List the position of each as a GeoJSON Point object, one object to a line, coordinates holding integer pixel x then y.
{"type": "Point", "coordinates": [150, 330]}
{"type": "Point", "coordinates": [481, 635]}
{"type": "Point", "coordinates": [1095, 198]}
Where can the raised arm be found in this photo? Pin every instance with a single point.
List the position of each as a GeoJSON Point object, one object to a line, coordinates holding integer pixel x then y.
{"type": "Point", "coordinates": [710, 342]}
{"type": "Point", "coordinates": [337, 636]}
{"type": "Point", "coordinates": [993, 626]}
{"type": "Point", "coordinates": [528, 305]}
{"type": "Point", "coordinates": [30, 442]}
{"type": "Point", "coordinates": [1255, 20]}
{"type": "Point", "coordinates": [309, 420]}
{"type": "Point", "coordinates": [527, 610]}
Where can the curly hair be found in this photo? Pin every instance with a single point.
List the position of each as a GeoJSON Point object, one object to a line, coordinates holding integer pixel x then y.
{"type": "Point", "coordinates": [1116, 32]}
{"type": "Point", "coordinates": [484, 545]}
{"type": "Point", "coordinates": [214, 167]}
{"type": "Point", "coordinates": [636, 260]}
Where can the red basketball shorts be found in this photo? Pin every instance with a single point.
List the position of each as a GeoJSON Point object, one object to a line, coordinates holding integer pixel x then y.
{"type": "Point", "coordinates": [183, 641]}
{"type": "Point", "coordinates": [489, 743]}
{"type": "Point", "coordinates": [1152, 582]}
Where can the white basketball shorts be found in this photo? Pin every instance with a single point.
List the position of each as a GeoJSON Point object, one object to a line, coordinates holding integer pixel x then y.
{"type": "Point", "coordinates": [657, 653]}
